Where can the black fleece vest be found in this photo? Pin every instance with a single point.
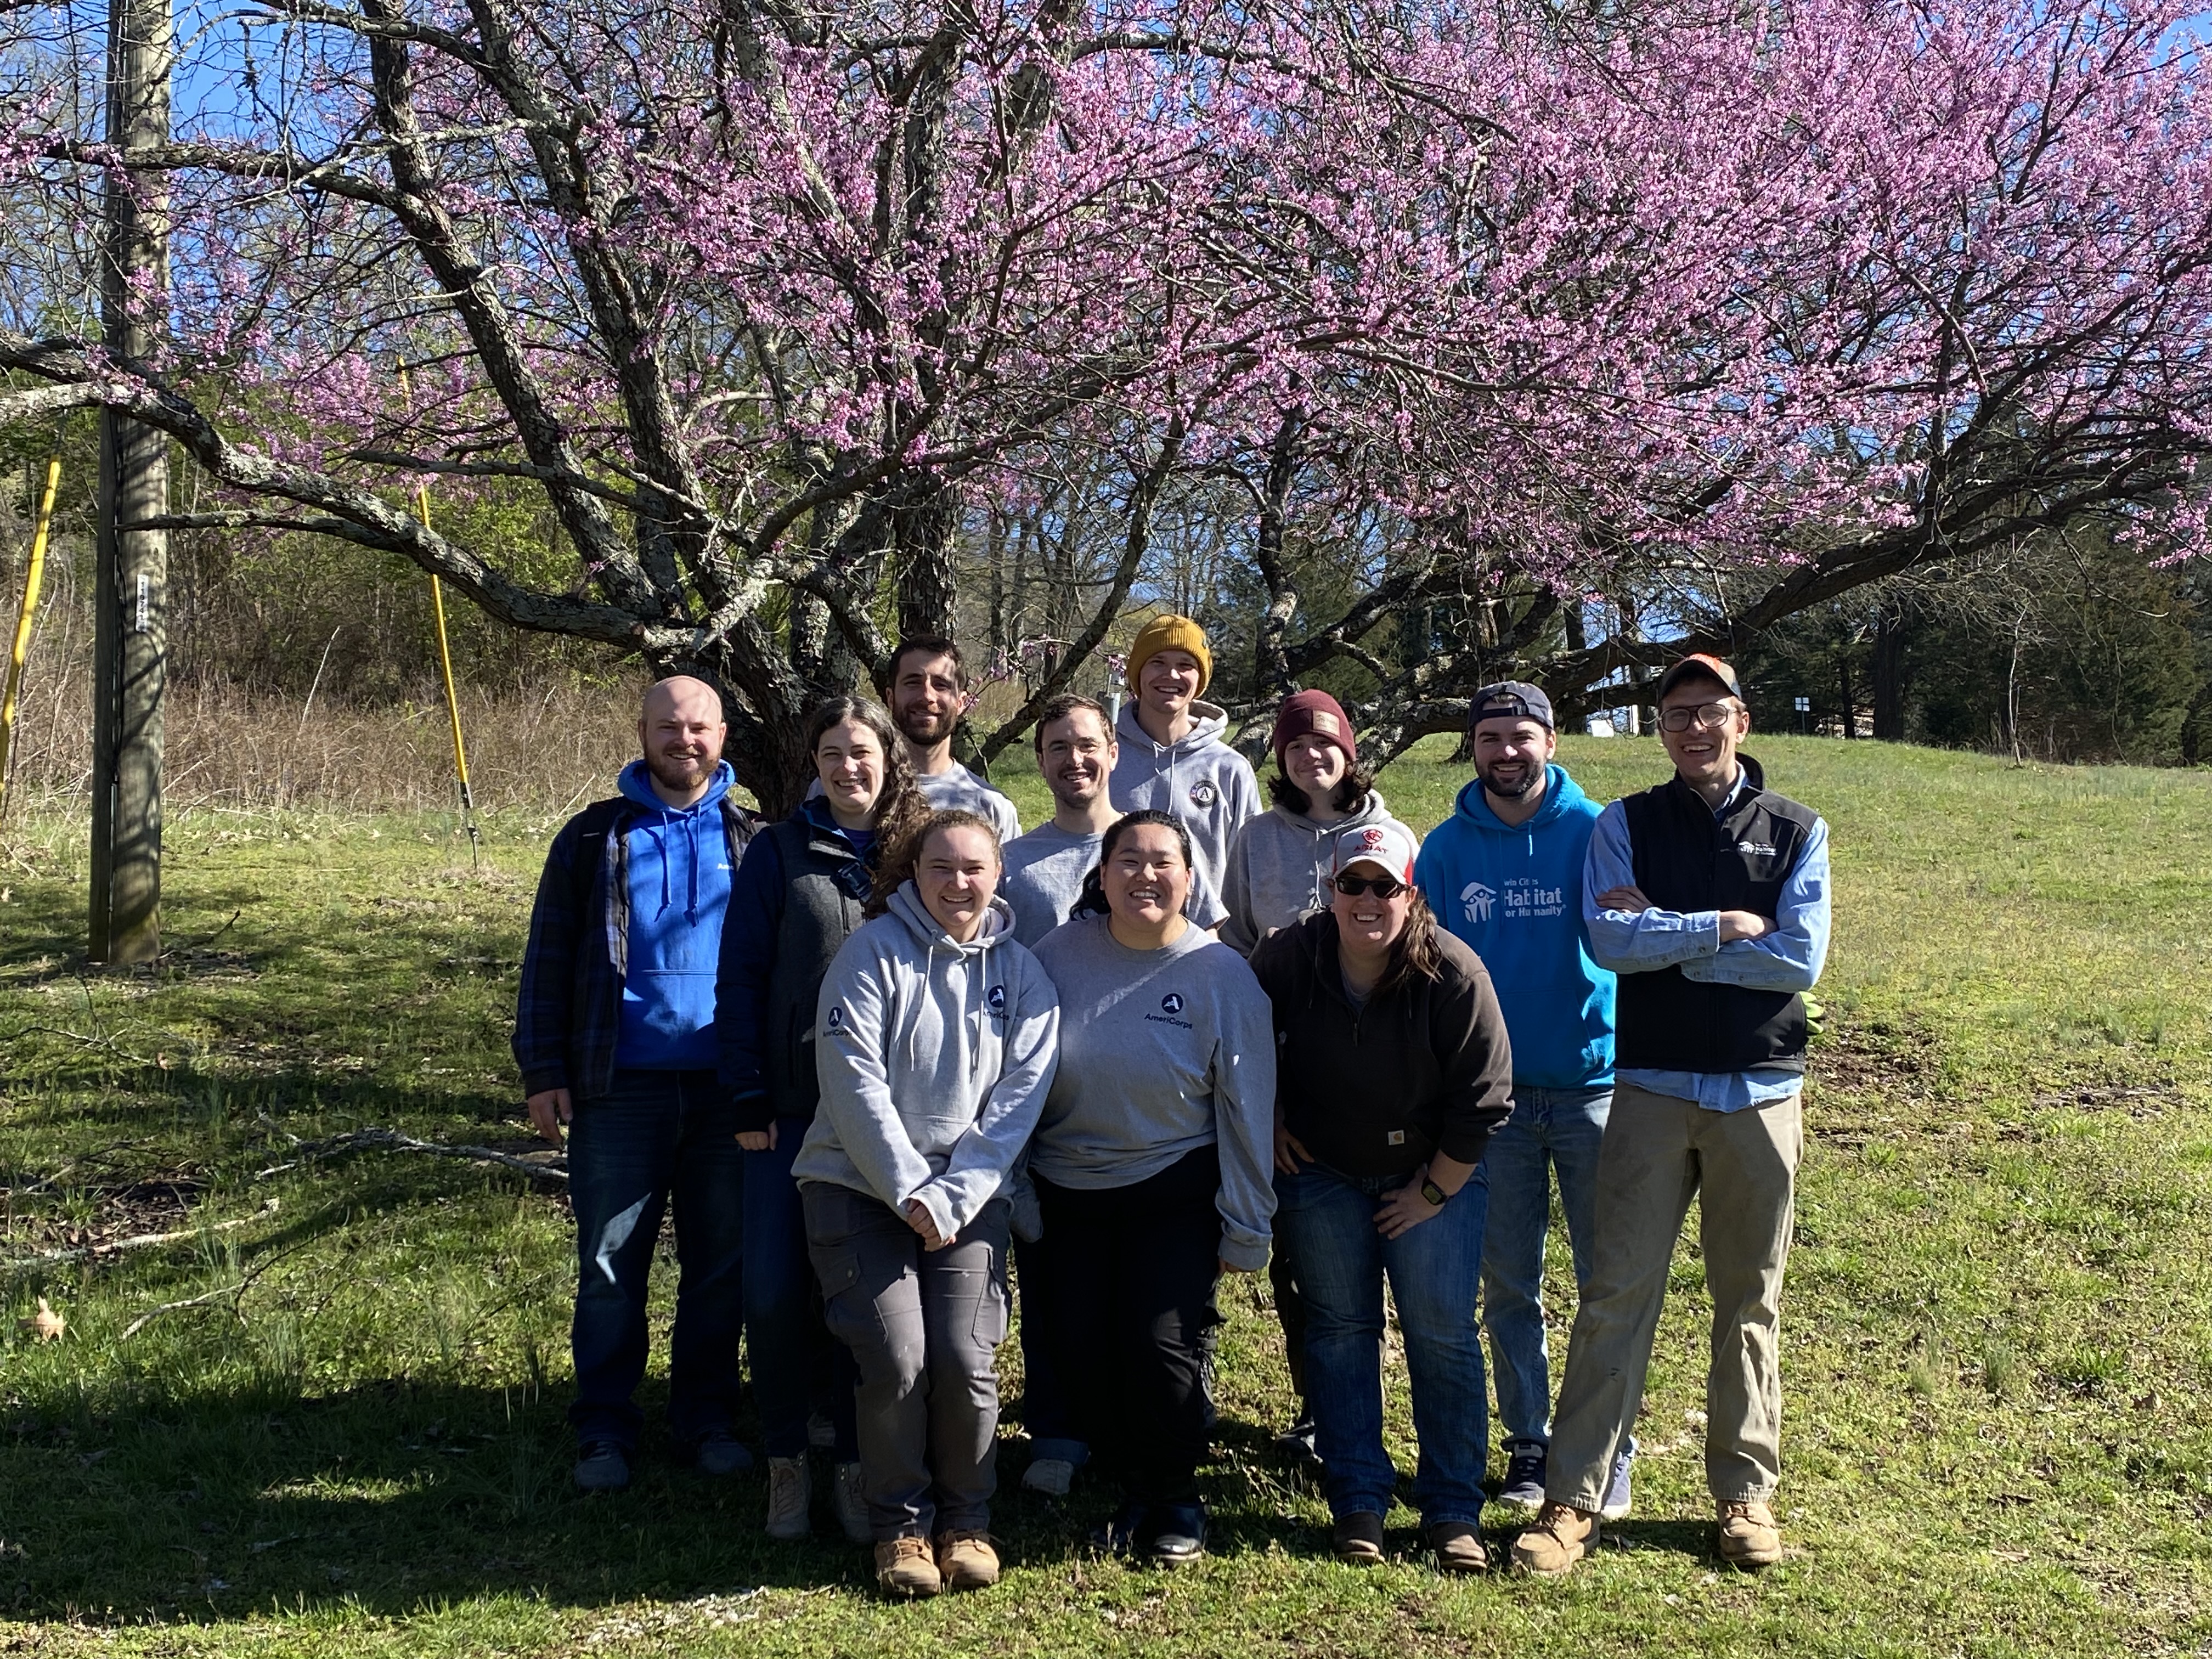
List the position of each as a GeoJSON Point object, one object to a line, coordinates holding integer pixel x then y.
{"type": "Point", "coordinates": [824, 889]}
{"type": "Point", "coordinates": [1687, 859]}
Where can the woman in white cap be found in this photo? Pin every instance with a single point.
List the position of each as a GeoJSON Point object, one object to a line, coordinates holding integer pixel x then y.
{"type": "Point", "coordinates": [1393, 1068]}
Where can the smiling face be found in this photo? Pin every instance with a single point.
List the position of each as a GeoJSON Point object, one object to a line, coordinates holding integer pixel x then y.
{"type": "Point", "coordinates": [1168, 682]}
{"type": "Point", "coordinates": [1315, 765]}
{"type": "Point", "coordinates": [1367, 927]}
{"type": "Point", "coordinates": [1077, 755]}
{"type": "Point", "coordinates": [927, 701]}
{"type": "Point", "coordinates": [1510, 754]}
{"type": "Point", "coordinates": [1705, 755]}
{"type": "Point", "coordinates": [849, 761]}
{"type": "Point", "coordinates": [956, 873]}
{"type": "Point", "coordinates": [1145, 878]}
{"type": "Point", "coordinates": [681, 733]}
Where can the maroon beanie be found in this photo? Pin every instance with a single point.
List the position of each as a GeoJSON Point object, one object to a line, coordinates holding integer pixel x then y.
{"type": "Point", "coordinates": [1315, 713]}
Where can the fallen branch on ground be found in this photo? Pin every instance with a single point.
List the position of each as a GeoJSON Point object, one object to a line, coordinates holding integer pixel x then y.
{"type": "Point", "coordinates": [139, 1241]}
{"type": "Point", "coordinates": [361, 1140]}
{"type": "Point", "coordinates": [152, 1314]}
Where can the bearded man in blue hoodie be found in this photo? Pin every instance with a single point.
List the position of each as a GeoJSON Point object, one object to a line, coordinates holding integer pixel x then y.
{"type": "Point", "coordinates": [1504, 874]}
{"type": "Point", "coordinates": [614, 1035]}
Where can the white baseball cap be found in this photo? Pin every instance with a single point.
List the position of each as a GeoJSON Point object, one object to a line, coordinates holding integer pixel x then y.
{"type": "Point", "coordinates": [1388, 843]}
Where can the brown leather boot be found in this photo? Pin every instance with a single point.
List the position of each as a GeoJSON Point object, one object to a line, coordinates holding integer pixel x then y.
{"type": "Point", "coordinates": [966, 1560]}
{"type": "Point", "coordinates": [1458, 1546]}
{"type": "Point", "coordinates": [904, 1568]}
{"type": "Point", "coordinates": [1357, 1538]}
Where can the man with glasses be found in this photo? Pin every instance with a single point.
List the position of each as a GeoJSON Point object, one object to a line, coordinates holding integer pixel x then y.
{"type": "Point", "coordinates": [1504, 874]}
{"type": "Point", "coordinates": [1709, 896]}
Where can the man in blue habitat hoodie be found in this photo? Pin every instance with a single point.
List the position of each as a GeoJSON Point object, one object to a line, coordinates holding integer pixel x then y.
{"type": "Point", "coordinates": [614, 1033]}
{"type": "Point", "coordinates": [1504, 874]}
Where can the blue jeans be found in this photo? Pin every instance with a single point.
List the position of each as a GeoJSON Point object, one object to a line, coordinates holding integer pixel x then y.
{"type": "Point", "coordinates": [1329, 1220]}
{"type": "Point", "coordinates": [794, 1361]}
{"type": "Point", "coordinates": [1550, 1129]}
{"type": "Point", "coordinates": [656, 1137]}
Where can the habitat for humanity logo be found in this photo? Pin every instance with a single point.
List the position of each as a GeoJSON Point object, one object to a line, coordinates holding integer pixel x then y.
{"type": "Point", "coordinates": [1170, 1006]}
{"type": "Point", "coordinates": [1477, 899]}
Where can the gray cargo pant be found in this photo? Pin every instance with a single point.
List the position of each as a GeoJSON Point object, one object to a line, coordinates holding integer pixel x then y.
{"type": "Point", "coordinates": [1657, 1154]}
{"type": "Point", "coordinates": [922, 1325]}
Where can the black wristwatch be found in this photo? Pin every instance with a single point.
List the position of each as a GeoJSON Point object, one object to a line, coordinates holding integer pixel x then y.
{"type": "Point", "coordinates": [1436, 1194]}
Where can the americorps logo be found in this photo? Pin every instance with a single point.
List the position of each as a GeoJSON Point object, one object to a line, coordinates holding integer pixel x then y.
{"type": "Point", "coordinates": [998, 1000]}
{"type": "Point", "coordinates": [1476, 900]}
{"type": "Point", "coordinates": [836, 1016]}
{"type": "Point", "coordinates": [1202, 794]}
{"type": "Point", "coordinates": [1171, 1003]}
{"type": "Point", "coordinates": [1170, 1012]}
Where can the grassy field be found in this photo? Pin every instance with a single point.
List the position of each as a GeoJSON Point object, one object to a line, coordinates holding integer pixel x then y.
{"type": "Point", "coordinates": [328, 1418]}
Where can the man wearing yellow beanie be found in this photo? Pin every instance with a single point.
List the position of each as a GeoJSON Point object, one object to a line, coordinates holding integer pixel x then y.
{"type": "Point", "coordinates": [1173, 758]}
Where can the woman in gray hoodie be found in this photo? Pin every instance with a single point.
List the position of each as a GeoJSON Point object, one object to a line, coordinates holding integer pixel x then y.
{"type": "Point", "coordinates": [936, 1038]}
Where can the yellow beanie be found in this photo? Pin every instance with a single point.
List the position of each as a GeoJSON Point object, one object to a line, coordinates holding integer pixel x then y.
{"type": "Point", "coordinates": [1170, 633]}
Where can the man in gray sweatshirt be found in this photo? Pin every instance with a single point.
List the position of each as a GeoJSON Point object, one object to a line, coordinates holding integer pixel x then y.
{"type": "Point", "coordinates": [928, 695]}
{"type": "Point", "coordinates": [1173, 757]}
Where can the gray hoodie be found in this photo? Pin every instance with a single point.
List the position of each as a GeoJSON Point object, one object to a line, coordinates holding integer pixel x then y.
{"type": "Point", "coordinates": [934, 1058]}
{"type": "Point", "coordinates": [1165, 1052]}
{"type": "Point", "coordinates": [1201, 780]}
{"type": "Point", "coordinates": [1279, 869]}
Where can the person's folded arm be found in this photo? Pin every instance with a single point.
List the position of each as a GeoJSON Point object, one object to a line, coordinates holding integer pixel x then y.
{"type": "Point", "coordinates": [1476, 1056]}
{"type": "Point", "coordinates": [982, 1160]}
{"type": "Point", "coordinates": [856, 1093]}
{"type": "Point", "coordinates": [1634, 941]}
{"type": "Point", "coordinates": [1792, 956]}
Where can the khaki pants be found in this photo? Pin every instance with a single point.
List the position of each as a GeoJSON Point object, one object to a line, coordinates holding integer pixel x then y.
{"type": "Point", "coordinates": [1657, 1154]}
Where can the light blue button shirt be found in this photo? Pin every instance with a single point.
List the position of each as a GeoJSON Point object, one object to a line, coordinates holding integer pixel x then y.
{"type": "Point", "coordinates": [1637, 941]}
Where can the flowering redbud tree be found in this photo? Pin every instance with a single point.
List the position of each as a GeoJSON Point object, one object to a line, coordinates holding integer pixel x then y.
{"type": "Point", "coordinates": [769, 303]}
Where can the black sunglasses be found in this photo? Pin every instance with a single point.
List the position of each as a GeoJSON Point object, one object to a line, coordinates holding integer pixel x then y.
{"type": "Point", "coordinates": [1383, 887]}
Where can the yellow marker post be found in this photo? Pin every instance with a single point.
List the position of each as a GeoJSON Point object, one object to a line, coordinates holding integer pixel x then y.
{"type": "Point", "coordinates": [445, 667]}
{"type": "Point", "coordinates": [32, 579]}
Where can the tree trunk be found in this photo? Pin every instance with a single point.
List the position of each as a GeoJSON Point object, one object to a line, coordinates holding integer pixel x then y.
{"type": "Point", "coordinates": [924, 531]}
{"type": "Point", "coordinates": [129, 663]}
{"type": "Point", "coordinates": [1844, 693]}
{"type": "Point", "coordinates": [1889, 676]}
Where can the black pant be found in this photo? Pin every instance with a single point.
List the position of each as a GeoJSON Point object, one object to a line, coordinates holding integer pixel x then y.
{"type": "Point", "coordinates": [1134, 1269]}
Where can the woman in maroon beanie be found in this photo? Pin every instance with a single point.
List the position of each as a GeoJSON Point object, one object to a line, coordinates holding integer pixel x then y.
{"type": "Point", "coordinates": [1279, 869]}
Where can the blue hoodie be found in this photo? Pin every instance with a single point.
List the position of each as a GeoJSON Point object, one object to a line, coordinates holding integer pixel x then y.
{"type": "Point", "coordinates": [1515, 894]}
{"type": "Point", "coordinates": [679, 886]}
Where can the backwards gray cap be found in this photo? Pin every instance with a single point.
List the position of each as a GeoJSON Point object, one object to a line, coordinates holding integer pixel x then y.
{"type": "Point", "coordinates": [1509, 700]}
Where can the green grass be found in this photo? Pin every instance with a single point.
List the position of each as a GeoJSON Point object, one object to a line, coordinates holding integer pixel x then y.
{"type": "Point", "coordinates": [1998, 1336]}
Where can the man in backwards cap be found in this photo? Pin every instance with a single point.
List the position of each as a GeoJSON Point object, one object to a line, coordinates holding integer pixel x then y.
{"type": "Point", "coordinates": [1709, 896]}
{"type": "Point", "coordinates": [1504, 874]}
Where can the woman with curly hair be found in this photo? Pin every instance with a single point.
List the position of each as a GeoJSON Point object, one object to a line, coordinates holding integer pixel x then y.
{"type": "Point", "coordinates": [799, 891]}
{"type": "Point", "coordinates": [937, 1034]}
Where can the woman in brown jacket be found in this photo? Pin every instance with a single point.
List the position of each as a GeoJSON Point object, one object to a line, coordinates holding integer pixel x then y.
{"type": "Point", "coordinates": [1393, 1069]}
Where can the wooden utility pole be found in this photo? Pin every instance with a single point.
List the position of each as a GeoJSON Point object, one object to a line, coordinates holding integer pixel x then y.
{"type": "Point", "coordinates": [130, 654]}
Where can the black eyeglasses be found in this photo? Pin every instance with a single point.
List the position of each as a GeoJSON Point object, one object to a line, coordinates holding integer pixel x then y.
{"type": "Point", "coordinates": [1383, 887]}
{"type": "Point", "coordinates": [1707, 714]}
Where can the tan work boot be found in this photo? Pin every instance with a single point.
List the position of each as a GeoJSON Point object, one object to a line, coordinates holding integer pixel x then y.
{"type": "Point", "coordinates": [1749, 1536]}
{"type": "Point", "coordinates": [903, 1567]}
{"type": "Point", "coordinates": [966, 1560]}
{"type": "Point", "coordinates": [1560, 1535]}
{"type": "Point", "coordinates": [790, 1496]}
{"type": "Point", "coordinates": [1458, 1546]}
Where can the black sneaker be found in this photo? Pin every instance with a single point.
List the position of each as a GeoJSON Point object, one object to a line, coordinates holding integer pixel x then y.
{"type": "Point", "coordinates": [1118, 1535]}
{"type": "Point", "coordinates": [1172, 1534]}
{"type": "Point", "coordinates": [603, 1467]}
{"type": "Point", "coordinates": [718, 1452]}
{"type": "Point", "coordinates": [1525, 1463]}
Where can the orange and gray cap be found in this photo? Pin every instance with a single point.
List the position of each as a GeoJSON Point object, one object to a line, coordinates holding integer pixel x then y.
{"type": "Point", "coordinates": [1699, 665]}
{"type": "Point", "coordinates": [1388, 843]}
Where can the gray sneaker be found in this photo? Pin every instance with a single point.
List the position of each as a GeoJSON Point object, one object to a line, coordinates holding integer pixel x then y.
{"type": "Point", "coordinates": [852, 1496]}
{"type": "Point", "coordinates": [790, 1496]}
{"type": "Point", "coordinates": [1526, 1461]}
{"type": "Point", "coordinates": [602, 1468]}
{"type": "Point", "coordinates": [1618, 1500]}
